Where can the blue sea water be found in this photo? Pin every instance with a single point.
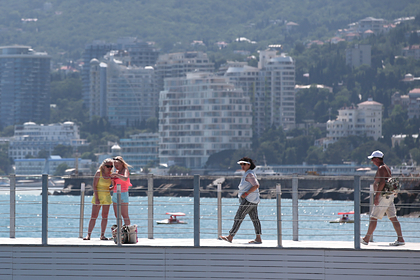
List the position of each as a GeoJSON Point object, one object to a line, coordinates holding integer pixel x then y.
{"type": "Point", "coordinates": [314, 218]}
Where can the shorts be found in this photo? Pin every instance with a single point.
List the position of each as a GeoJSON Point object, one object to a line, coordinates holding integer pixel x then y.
{"type": "Point", "coordinates": [104, 198]}
{"type": "Point", "coordinates": [386, 205]}
{"type": "Point", "coordinates": [124, 197]}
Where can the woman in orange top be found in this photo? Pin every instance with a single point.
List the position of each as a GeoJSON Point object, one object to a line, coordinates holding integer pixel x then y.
{"type": "Point", "coordinates": [121, 177]}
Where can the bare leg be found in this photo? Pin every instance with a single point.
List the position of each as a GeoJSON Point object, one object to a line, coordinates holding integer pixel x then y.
{"type": "Point", "coordinates": [371, 229]}
{"type": "Point", "coordinates": [124, 213]}
{"type": "Point", "coordinates": [397, 228]}
{"type": "Point", "coordinates": [104, 222]}
{"type": "Point", "coordinates": [93, 217]}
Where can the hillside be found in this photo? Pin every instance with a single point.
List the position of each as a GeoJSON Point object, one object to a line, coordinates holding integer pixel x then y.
{"type": "Point", "coordinates": [62, 28]}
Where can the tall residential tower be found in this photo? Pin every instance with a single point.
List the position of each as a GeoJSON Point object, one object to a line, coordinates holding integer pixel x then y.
{"type": "Point", "coordinates": [24, 85]}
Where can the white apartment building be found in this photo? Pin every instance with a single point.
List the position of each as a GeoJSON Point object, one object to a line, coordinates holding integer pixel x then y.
{"type": "Point", "coordinates": [140, 149]}
{"type": "Point", "coordinates": [374, 24]}
{"type": "Point", "coordinates": [175, 65]}
{"type": "Point", "coordinates": [271, 88]}
{"type": "Point", "coordinates": [31, 138]}
{"type": "Point", "coordinates": [359, 55]}
{"type": "Point", "coordinates": [122, 93]}
{"type": "Point", "coordinates": [200, 115]}
{"type": "Point", "coordinates": [363, 120]}
{"type": "Point", "coordinates": [37, 166]}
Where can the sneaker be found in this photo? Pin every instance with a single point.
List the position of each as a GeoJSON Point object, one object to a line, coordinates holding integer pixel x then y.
{"type": "Point", "coordinates": [363, 242]}
{"type": "Point", "coordinates": [397, 243]}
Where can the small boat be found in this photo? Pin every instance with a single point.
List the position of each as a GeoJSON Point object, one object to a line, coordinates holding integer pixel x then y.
{"type": "Point", "coordinates": [344, 219]}
{"type": "Point", "coordinates": [172, 219]}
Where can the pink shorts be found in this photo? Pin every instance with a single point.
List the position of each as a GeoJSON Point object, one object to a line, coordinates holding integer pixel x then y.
{"type": "Point", "coordinates": [386, 205]}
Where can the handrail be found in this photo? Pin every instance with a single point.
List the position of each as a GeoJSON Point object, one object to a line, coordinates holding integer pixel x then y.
{"type": "Point", "coordinates": [287, 217]}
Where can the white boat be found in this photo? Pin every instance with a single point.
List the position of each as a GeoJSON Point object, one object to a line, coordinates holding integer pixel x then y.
{"type": "Point", "coordinates": [345, 219]}
{"type": "Point", "coordinates": [172, 219]}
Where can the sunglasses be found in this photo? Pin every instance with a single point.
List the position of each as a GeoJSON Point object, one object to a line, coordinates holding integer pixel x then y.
{"type": "Point", "coordinates": [117, 159]}
{"type": "Point", "coordinates": [109, 166]}
{"type": "Point", "coordinates": [243, 164]}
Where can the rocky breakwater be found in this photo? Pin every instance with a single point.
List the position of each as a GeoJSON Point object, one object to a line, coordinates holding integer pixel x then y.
{"type": "Point", "coordinates": [309, 187]}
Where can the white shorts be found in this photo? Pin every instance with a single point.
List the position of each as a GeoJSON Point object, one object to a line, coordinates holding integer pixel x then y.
{"type": "Point", "coordinates": [386, 205]}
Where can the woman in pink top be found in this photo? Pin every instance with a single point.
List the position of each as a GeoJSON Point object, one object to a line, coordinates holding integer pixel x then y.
{"type": "Point", "coordinates": [121, 177]}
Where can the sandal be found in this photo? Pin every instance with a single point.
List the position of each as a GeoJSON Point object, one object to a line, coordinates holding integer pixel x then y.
{"type": "Point", "coordinates": [255, 242]}
{"type": "Point", "coordinates": [103, 238]}
{"type": "Point", "coordinates": [86, 238]}
{"type": "Point", "coordinates": [225, 238]}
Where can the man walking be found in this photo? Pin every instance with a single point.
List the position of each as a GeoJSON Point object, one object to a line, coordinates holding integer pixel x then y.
{"type": "Point", "coordinates": [382, 204]}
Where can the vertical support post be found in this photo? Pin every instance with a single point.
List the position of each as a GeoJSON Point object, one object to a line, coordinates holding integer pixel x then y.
{"type": "Point", "coordinates": [82, 209]}
{"type": "Point", "coordinates": [196, 210]}
{"type": "Point", "coordinates": [279, 231]}
{"type": "Point", "coordinates": [12, 233]}
{"type": "Point", "coordinates": [150, 206]}
{"type": "Point", "coordinates": [219, 210]}
{"type": "Point", "coordinates": [119, 214]}
{"type": "Point", "coordinates": [44, 209]}
{"type": "Point", "coordinates": [356, 212]}
{"type": "Point", "coordinates": [371, 198]}
{"type": "Point", "coordinates": [295, 209]}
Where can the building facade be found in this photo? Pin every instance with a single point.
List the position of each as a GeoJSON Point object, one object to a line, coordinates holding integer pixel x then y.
{"type": "Point", "coordinates": [271, 88]}
{"type": "Point", "coordinates": [24, 85]}
{"type": "Point", "coordinates": [36, 166]}
{"type": "Point", "coordinates": [414, 103]}
{"type": "Point", "coordinates": [176, 65]}
{"type": "Point", "coordinates": [363, 120]}
{"type": "Point", "coordinates": [30, 138]}
{"type": "Point", "coordinates": [200, 115]}
{"type": "Point", "coordinates": [140, 149]}
{"type": "Point", "coordinates": [359, 55]}
{"type": "Point", "coordinates": [125, 95]}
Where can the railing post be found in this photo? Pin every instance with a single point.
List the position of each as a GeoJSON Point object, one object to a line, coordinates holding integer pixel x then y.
{"type": "Point", "coordinates": [219, 210]}
{"type": "Point", "coordinates": [196, 210]}
{"type": "Point", "coordinates": [371, 198]}
{"type": "Point", "coordinates": [82, 209]}
{"type": "Point", "coordinates": [44, 209]}
{"type": "Point", "coordinates": [119, 214]}
{"type": "Point", "coordinates": [356, 212]}
{"type": "Point", "coordinates": [295, 209]}
{"type": "Point", "coordinates": [150, 206]}
{"type": "Point", "coordinates": [279, 232]}
{"type": "Point", "coordinates": [12, 233]}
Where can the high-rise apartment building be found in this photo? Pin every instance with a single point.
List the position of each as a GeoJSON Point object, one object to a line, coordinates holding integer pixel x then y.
{"type": "Point", "coordinates": [96, 50]}
{"type": "Point", "coordinates": [125, 95]}
{"type": "Point", "coordinates": [271, 89]}
{"type": "Point", "coordinates": [363, 120]}
{"type": "Point", "coordinates": [174, 65]}
{"type": "Point", "coordinates": [134, 52]}
{"type": "Point", "coordinates": [24, 85]}
{"type": "Point", "coordinates": [199, 115]}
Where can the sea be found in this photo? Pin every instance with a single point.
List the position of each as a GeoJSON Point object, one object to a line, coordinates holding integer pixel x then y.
{"type": "Point", "coordinates": [314, 217]}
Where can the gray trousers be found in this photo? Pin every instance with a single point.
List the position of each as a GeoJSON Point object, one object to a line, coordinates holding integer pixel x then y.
{"type": "Point", "coordinates": [245, 208]}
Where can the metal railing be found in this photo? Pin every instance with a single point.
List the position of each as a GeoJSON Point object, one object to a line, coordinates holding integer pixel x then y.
{"type": "Point", "coordinates": [285, 217]}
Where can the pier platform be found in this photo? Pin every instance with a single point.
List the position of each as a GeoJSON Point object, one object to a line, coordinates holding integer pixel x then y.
{"type": "Point", "coordinates": [156, 259]}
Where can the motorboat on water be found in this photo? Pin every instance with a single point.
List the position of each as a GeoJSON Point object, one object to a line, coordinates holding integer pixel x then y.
{"type": "Point", "coordinates": [344, 219]}
{"type": "Point", "coordinates": [172, 219]}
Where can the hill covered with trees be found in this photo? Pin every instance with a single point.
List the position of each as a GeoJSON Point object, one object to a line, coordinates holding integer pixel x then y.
{"type": "Point", "coordinates": [63, 27]}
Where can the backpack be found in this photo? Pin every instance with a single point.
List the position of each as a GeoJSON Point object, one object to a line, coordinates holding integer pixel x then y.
{"type": "Point", "coordinates": [392, 186]}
